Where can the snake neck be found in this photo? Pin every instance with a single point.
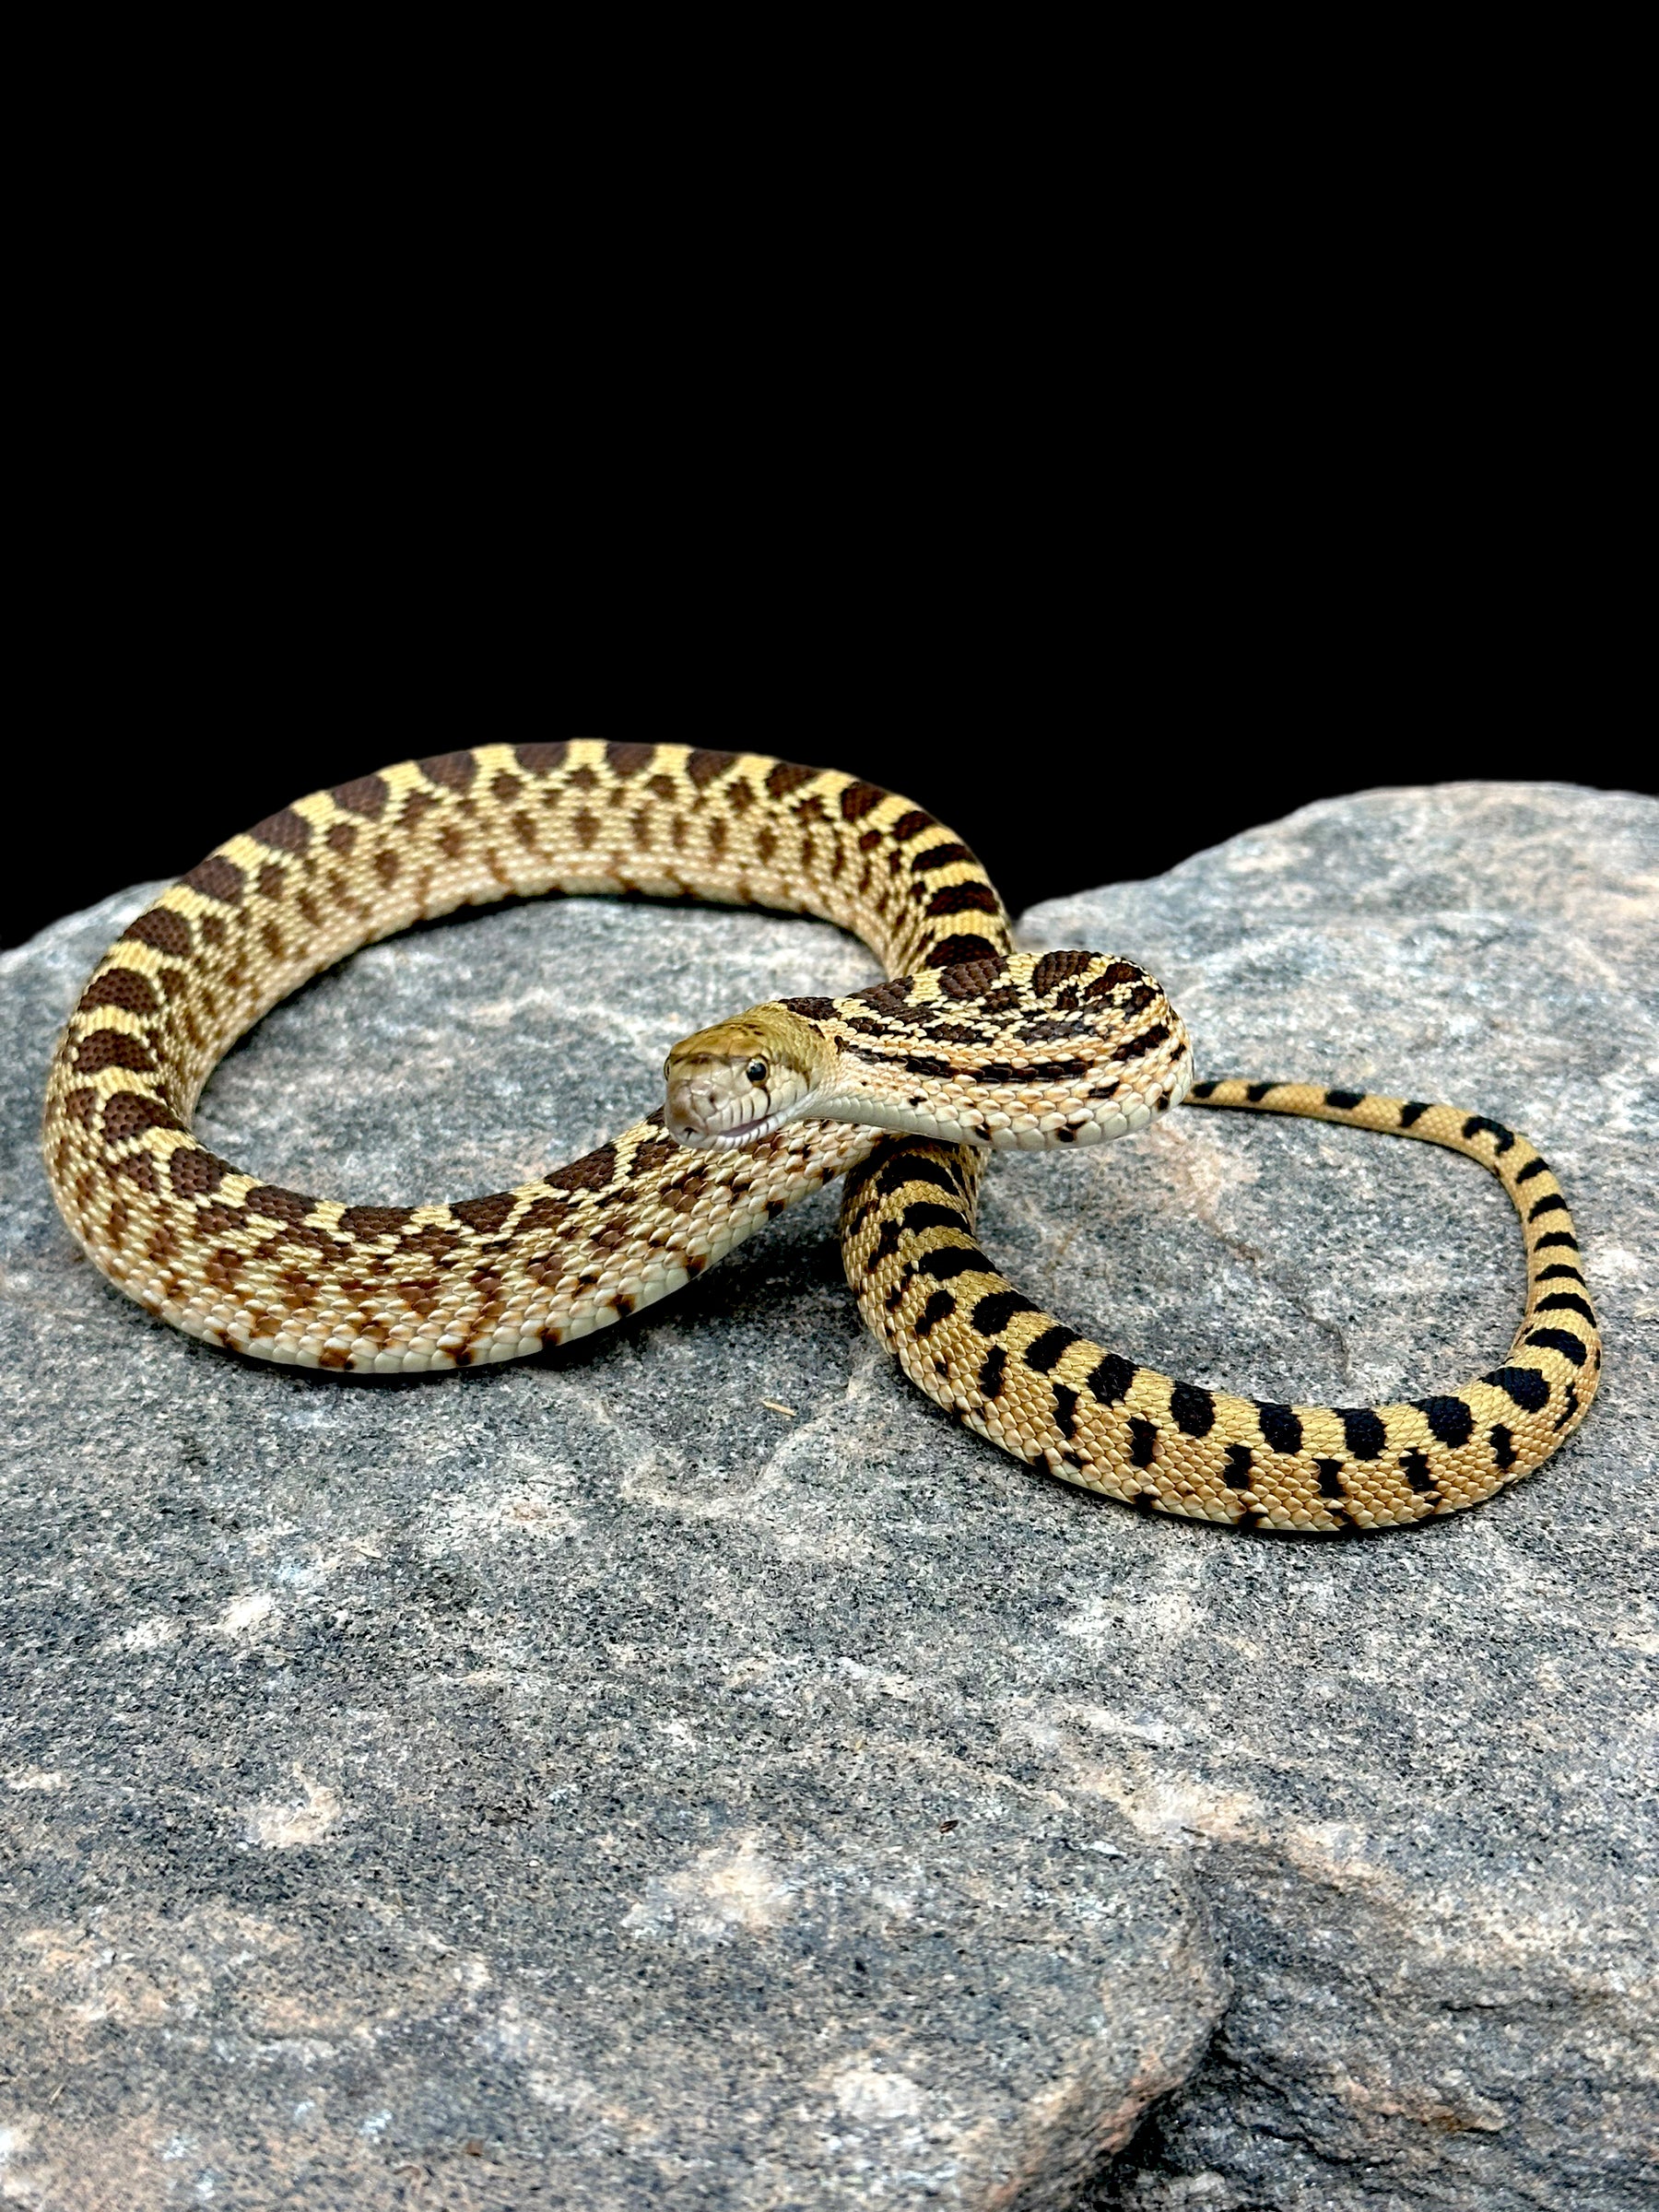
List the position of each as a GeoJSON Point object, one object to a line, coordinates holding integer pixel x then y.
{"type": "Point", "coordinates": [1013, 1053]}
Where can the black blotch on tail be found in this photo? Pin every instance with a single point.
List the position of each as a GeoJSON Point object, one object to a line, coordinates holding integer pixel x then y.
{"type": "Point", "coordinates": [1533, 1167]}
{"type": "Point", "coordinates": [1066, 1409]}
{"type": "Point", "coordinates": [894, 1174]}
{"type": "Point", "coordinates": [1567, 1301]}
{"type": "Point", "coordinates": [1450, 1420]}
{"type": "Point", "coordinates": [1111, 1380]}
{"type": "Point", "coordinates": [990, 1374]}
{"type": "Point", "coordinates": [1330, 1478]}
{"type": "Point", "coordinates": [1556, 1204]}
{"type": "Point", "coordinates": [1045, 1352]}
{"type": "Point", "coordinates": [964, 952]}
{"type": "Point", "coordinates": [927, 1215]}
{"type": "Point", "coordinates": [1563, 1271]}
{"type": "Point", "coordinates": [1558, 1236]}
{"type": "Point", "coordinates": [952, 1260]}
{"type": "Point", "coordinates": [1143, 1442]}
{"type": "Point", "coordinates": [1414, 1466]}
{"type": "Point", "coordinates": [1256, 1092]}
{"type": "Point", "coordinates": [1236, 1474]}
{"type": "Point", "coordinates": [1558, 1340]}
{"type": "Point", "coordinates": [1281, 1430]}
{"type": "Point", "coordinates": [1202, 1090]}
{"type": "Point", "coordinates": [1363, 1431]}
{"type": "Point", "coordinates": [1572, 1406]}
{"type": "Point", "coordinates": [1193, 1410]}
{"type": "Point", "coordinates": [1477, 1121]}
{"type": "Point", "coordinates": [998, 1309]}
{"type": "Point", "coordinates": [1524, 1385]}
{"type": "Point", "coordinates": [887, 1243]}
{"type": "Point", "coordinates": [1413, 1111]}
{"type": "Point", "coordinates": [1504, 1448]}
{"type": "Point", "coordinates": [1344, 1101]}
{"type": "Point", "coordinates": [937, 1309]}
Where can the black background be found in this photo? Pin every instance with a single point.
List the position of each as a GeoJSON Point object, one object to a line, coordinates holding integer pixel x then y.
{"type": "Point", "coordinates": [1102, 539]}
{"type": "Point", "coordinates": [1067, 746]}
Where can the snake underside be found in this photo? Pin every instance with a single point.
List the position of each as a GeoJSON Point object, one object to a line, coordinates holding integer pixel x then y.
{"type": "Point", "coordinates": [280, 1275]}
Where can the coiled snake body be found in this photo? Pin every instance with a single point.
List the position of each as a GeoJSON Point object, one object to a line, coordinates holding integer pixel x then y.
{"type": "Point", "coordinates": [972, 1047]}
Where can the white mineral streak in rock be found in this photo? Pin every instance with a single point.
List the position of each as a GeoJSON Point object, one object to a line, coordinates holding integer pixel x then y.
{"type": "Point", "coordinates": [285, 1826]}
{"type": "Point", "coordinates": [732, 1890]}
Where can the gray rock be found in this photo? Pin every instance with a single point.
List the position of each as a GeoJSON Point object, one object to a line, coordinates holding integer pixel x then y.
{"type": "Point", "coordinates": [586, 1783]}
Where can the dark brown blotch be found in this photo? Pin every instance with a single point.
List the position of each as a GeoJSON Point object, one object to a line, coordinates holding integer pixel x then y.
{"type": "Point", "coordinates": [706, 766]}
{"type": "Point", "coordinates": [1120, 971]}
{"type": "Point", "coordinates": [369, 1221]}
{"type": "Point", "coordinates": [366, 796]}
{"type": "Point", "coordinates": [860, 799]}
{"type": "Point", "coordinates": [283, 832]}
{"type": "Point", "coordinates": [485, 1215]}
{"type": "Point", "coordinates": [627, 761]}
{"type": "Point", "coordinates": [1132, 1048]}
{"type": "Point", "coordinates": [214, 1220]}
{"type": "Point", "coordinates": [123, 987]}
{"type": "Point", "coordinates": [1057, 968]}
{"type": "Point", "coordinates": [939, 856]}
{"type": "Point", "coordinates": [129, 1114]}
{"type": "Point", "coordinates": [162, 929]}
{"type": "Point", "coordinates": [112, 1048]}
{"type": "Point", "coordinates": [544, 1213]}
{"type": "Point", "coordinates": [971, 978]}
{"type": "Point", "coordinates": [593, 1171]}
{"type": "Point", "coordinates": [217, 877]}
{"type": "Point", "coordinates": [275, 1204]}
{"type": "Point", "coordinates": [965, 898]}
{"type": "Point", "coordinates": [966, 952]}
{"type": "Point", "coordinates": [542, 760]}
{"type": "Point", "coordinates": [786, 776]}
{"type": "Point", "coordinates": [451, 771]}
{"type": "Point", "coordinates": [195, 1173]}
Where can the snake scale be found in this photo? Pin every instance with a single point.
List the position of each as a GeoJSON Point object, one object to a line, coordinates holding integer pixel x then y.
{"type": "Point", "coordinates": [970, 1047]}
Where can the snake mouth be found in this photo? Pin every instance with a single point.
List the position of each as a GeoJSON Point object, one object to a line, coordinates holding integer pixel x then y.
{"type": "Point", "coordinates": [725, 1140]}
{"type": "Point", "coordinates": [707, 1129]}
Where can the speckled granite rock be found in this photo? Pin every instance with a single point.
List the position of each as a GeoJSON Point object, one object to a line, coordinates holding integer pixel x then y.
{"type": "Point", "coordinates": [587, 1783]}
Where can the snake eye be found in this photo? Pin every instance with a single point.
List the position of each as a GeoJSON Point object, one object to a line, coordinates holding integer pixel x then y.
{"type": "Point", "coordinates": [755, 1071]}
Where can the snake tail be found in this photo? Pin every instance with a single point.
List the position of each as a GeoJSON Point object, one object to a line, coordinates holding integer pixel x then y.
{"type": "Point", "coordinates": [1018, 1377]}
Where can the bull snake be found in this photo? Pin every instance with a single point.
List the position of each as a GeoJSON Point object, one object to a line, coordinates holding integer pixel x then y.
{"type": "Point", "coordinates": [970, 1047]}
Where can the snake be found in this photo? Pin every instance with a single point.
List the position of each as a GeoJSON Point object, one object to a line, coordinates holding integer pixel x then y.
{"type": "Point", "coordinates": [905, 1089]}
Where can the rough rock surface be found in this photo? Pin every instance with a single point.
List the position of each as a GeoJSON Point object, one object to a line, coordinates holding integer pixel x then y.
{"type": "Point", "coordinates": [590, 1784]}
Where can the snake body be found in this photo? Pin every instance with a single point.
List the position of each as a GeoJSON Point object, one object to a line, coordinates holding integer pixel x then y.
{"type": "Point", "coordinates": [970, 1047]}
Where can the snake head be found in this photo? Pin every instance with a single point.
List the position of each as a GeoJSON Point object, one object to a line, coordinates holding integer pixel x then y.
{"type": "Point", "coordinates": [741, 1079]}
